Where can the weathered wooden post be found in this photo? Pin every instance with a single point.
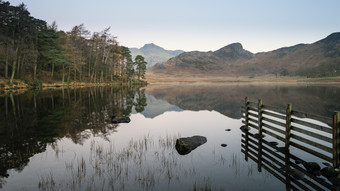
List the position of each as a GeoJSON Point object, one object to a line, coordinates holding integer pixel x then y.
{"type": "Point", "coordinates": [246, 106]}
{"type": "Point", "coordinates": [288, 124]}
{"type": "Point", "coordinates": [288, 128]}
{"type": "Point", "coordinates": [259, 123]}
{"type": "Point", "coordinates": [336, 130]}
{"type": "Point", "coordinates": [259, 119]}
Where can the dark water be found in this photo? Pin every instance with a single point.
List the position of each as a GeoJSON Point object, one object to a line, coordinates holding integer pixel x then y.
{"type": "Point", "coordinates": [64, 139]}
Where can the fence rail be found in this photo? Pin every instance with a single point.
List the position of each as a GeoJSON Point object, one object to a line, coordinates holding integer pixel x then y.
{"type": "Point", "coordinates": [267, 157]}
{"type": "Point", "coordinates": [314, 134]}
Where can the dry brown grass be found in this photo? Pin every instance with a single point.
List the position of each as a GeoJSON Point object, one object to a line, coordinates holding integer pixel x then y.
{"type": "Point", "coordinates": [200, 78]}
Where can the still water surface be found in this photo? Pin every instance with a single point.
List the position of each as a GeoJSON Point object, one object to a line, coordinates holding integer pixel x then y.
{"type": "Point", "coordinates": [64, 139]}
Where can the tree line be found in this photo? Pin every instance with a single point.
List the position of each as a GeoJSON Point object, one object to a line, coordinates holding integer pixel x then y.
{"type": "Point", "coordinates": [33, 51]}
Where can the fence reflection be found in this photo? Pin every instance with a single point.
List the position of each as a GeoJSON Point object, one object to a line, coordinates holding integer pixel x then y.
{"type": "Point", "coordinates": [270, 134]}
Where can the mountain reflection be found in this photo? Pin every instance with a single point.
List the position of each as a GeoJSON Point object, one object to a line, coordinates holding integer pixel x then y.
{"type": "Point", "coordinates": [32, 120]}
{"type": "Point", "coordinates": [227, 99]}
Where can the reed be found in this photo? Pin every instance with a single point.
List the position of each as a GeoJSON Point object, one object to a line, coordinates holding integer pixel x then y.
{"type": "Point", "coordinates": [143, 163]}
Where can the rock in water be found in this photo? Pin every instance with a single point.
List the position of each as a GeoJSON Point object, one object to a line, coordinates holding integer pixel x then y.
{"type": "Point", "coordinates": [244, 128]}
{"type": "Point", "coordinates": [120, 119]}
{"type": "Point", "coordinates": [329, 172]}
{"type": "Point", "coordinates": [223, 145]}
{"type": "Point", "coordinates": [312, 166]}
{"type": "Point", "coordinates": [297, 174]}
{"type": "Point", "coordinates": [187, 144]}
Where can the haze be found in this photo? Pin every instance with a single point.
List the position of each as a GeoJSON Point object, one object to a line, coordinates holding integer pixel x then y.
{"type": "Point", "coordinates": [196, 24]}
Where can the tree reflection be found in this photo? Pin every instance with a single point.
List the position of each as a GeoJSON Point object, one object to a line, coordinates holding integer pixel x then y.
{"type": "Point", "coordinates": [140, 101]}
{"type": "Point", "coordinates": [35, 119]}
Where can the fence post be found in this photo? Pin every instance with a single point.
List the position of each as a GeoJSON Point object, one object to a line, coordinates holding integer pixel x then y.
{"type": "Point", "coordinates": [288, 124]}
{"type": "Point", "coordinates": [246, 105]}
{"type": "Point", "coordinates": [336, 130]}
{"type": "Point", "coordinates": [287, 154]}
{"type": "Point", "coordinates": [259, 123]}
{"type": "Point", "coordinates": [259, 109]}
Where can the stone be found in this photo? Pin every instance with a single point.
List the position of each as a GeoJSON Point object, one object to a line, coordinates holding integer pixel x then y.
{"type": "Point", "coordinates": [120, 119]}
{"type": "Point", "coordinates": [326, 164]}
{"type": "Point", "coordinates": [312, 166]}
{"type": "Point", "coordinates": [329, 172]}
{"type": "Point", "coordinates": [228, 130]}
{"type": "Point", "coordinates": [257, 136]}
{"type": "Point", "coordinates": [273, 143]}
{"type": "Point", "coordinates": [297, 174]}
{"type": "Point", "coordinates": [186, 144]}
{"type": "Point", "coordinates": [223, 145]}
{"type": "Point", "coordinates": [244, 128]}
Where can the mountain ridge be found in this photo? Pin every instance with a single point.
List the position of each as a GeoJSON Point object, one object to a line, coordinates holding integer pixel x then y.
{"type": "Point", "coordinates": [321, 58]}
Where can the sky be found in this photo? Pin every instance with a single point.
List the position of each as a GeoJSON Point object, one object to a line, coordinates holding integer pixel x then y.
{"type": "Point", "coordinates": [203, 25]}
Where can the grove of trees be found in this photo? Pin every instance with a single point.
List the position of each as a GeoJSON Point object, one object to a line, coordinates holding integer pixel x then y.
{"type": "Point", "coordinates": [33, 51]}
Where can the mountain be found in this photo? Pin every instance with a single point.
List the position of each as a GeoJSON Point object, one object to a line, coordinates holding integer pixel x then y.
{"type": "Point", "coordinates": [321, 58]}
{"type": "Point", "coordinates": [156, 107]}
{"type": "Point", "coordinates": [154, 54]}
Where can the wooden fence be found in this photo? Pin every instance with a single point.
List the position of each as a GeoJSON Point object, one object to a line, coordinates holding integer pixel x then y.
{"type": "Point", "coordinates": [288, 125]}
{"type": "Point", "coordinates": [313, 134]}
{"type": "Point", "coordinates": [276, 163]}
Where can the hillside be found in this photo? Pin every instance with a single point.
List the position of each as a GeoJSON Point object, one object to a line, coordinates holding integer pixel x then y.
{"type": "Point", "coordinates": [321, 58]}
{"type": "Point", "coordinates": [154, 54]}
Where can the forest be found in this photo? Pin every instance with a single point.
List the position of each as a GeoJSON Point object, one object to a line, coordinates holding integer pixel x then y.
{"type": "Point", "coordinates": [34, 52]}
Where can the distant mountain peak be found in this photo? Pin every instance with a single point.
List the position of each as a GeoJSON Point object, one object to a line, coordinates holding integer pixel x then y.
{"type": "Point", "coordinates": [151, 46]}
{"type": "Point", "coordinates": [334, 37]}
{"type": "Point", "coordinates": [154, 54]}
{"type": "Point", "coordinates": [234, 46]}
{"type": "Point", "coordinates": [234, 51]}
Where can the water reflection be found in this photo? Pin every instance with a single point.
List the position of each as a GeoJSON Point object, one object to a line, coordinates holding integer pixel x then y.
{"type": "Point", "coordinates": [227, 98]}
{"type": "Point", "coordinates": [35, 119]}
{"type": "Point", "coordinates": [67, 121]}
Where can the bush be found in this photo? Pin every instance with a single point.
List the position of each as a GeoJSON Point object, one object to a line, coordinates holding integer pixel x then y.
{"type": "Point", "coordinates": [36, 83]}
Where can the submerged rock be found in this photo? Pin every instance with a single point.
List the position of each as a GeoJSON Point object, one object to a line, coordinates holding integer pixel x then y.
{"type": "Point", "coordinates": [244, 128]}
{"type": "Point", "coordinates": [187, 144]}
{"type": "Point", "coordinates": [298, 161]}
{"type": "Point", "coordinates": [227, 129]}
{"type": "Point", "coordinates": [223, 145]}
{"type": "Point", "coordinates": [312, 167]}
{"type": "Point", "coordinates": [273, 143]}
{"type": "Point", "coordinates": [120, 119]}
{"type": "Point", "coordinates": [258, 136]}
{"type": "Point", "coordinates": [329, 172]}
{"type": "Point", "coordinates": [297, 174]}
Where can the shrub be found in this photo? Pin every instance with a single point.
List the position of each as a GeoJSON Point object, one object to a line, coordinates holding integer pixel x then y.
{"type": "Point", "coordinates": [36, 83]}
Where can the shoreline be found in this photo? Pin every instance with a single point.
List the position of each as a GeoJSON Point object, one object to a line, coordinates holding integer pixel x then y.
{"type": "Point", "coordinates": [165, 79]}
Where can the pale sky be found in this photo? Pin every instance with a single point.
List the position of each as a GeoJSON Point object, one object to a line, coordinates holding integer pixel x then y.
{"type": "Point", "coordinates": [260, 25]}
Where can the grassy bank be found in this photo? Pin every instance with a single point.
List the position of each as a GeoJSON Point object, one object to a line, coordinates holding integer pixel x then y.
{"type": "Point", "coordinates": [19, 85]}
{"type": "Point", "coordinates": [164, 78]}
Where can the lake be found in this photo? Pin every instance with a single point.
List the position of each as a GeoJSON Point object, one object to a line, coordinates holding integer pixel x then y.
{"type": "Point", "coordinates": [64, 139]}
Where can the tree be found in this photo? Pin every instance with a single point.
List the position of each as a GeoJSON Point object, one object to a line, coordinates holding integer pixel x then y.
{"type": "Point", "coordinates": [127, 62]}
{"type": "Point", "coordinates": [31, 49]}
{"type": "Point", "coordinates": [140, 66]}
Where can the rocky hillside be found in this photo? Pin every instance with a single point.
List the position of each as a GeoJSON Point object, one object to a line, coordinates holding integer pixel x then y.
{"type": "Point", "coordinates": [154, 54]}
{"type": "Point", "coordinates": [321, 58]}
